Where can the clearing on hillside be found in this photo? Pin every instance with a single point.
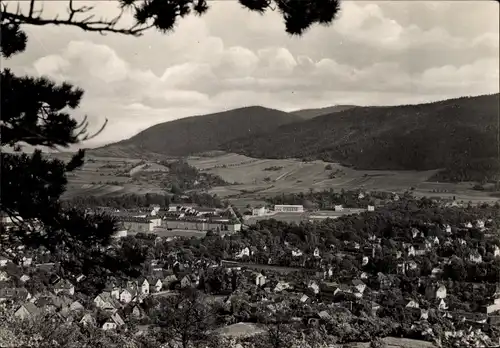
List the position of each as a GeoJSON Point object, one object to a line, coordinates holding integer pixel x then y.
{"type": "Point", "coordinates": [258, 178]}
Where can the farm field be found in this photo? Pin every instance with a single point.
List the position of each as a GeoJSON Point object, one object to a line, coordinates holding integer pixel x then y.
{"type": "Point", "coordinates": [105, 176]}
{"type": "Point", "coordinates": [254, 179]}
{"type": "Point", "coordinates": [291, 175]}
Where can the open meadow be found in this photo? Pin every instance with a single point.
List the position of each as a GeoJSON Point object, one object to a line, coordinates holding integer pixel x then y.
{"type": "Point", "coordinates": [257, 178]}
{"type": "Point", "coordinates": [254, 179]}
{"type": "Point", "coordinates": [106, 176]}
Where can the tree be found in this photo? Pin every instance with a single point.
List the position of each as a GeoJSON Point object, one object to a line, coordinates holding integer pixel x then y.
{"type": "Point", "coordinates": [278, 334]}
{"type": "Point", "coordinates": [35, 110]}
{"type": "Point", "coordinates": [184, 319]}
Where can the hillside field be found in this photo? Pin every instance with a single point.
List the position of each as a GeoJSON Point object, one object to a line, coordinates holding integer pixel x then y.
{"type": "Point", "coordinates": [254, 179]}
{"type": "Point", "coordinates": [291, 175]}
{"type": "Point", "coordinates": [105, 176]}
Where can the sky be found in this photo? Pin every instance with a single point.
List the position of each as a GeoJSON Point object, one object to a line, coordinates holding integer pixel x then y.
{"type": "Point", "coordinates": [375, 53]}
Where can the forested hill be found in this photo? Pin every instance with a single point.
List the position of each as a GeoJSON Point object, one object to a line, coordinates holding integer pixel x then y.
{"type": "Point", "coordinates": [199, 133]}
{"type": "Point", "coordinates": [459, 135]}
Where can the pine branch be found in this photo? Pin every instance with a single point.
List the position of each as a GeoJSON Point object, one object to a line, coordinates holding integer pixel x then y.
{"type": "Point", "coordinates": [88, 23]}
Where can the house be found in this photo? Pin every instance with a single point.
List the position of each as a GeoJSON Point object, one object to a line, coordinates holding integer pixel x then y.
{"type": "Point", "coordinates": [24, 278]}
{"type": "Point", "coordinates": [115, 291]}
{"type": "Point", "coordinates": [64, 286]}
{"type": "Point", "coordinates": [421, 250]}
{"type": "Point", "coordinates": [415, 232]}
{"type": "Point", "coordinates": [4, 276]}
{"type": "Point", "coordinates": [88, 320]}
{"type": "Point", "coordinates": [14, 294]}
{"type": "Point", "coordinates": [126, 295]}
{"type": "Point", "coordinates": [313, 286]}
{"type": "Point", "coordinates": [447, 229]}
{"type": "Point", "coordinates": [384, 281]}
{"type": "Point", "coordinates": [359, 285]}
{"type": "Point", "coordinates": [436, 271]}
{"type": "Point", "coordinates": [137, 312]}
{"type": "Point", "coordinates": [442, 305]}
{"type": "Point", "coordinates": [410, 250]}
{"type": "Point", "coordinates": [112, 322]}
{"type": "Point", "coordinates": [328, 273]}
{"type": "Point", "coordinates": [412, 304]}
{"type": "Point", "coordinates": [243, 252]}
{"type": "Point", "coordinates": [155, 285]}
{"type": "Point", "coordinates": [324, 315]}
{"type": "Point", "coordinates": [281, 286]}
{"type": "Point", "coordinates": [258, 278]}
{"type": "Point", "coordinates": [27, 311]}
{"type": "Point", "coordinates": [155, 208]}
{"type": "Point", "coordinates": [493, 307]}
{"type": "Point", "coordinates": [106, 302]}
{"type": "Point", "coordinates": [480, 224]}
{"type": "Point", "coordinates": [475, 257]}
{"type": "Point", "coordinates": [365, 260]}
{"type": "Point", "coordinates": [496, 251]}
{"type": "Point", "coordinates": [342, 289]}
{"type": "Point", "coordinates": [4, 261]}
{"type": "Point", "coordinates": [435, 291]}
{"type": "Point", "coordinates": [76, 306]}
{"type": "Point", "coordinates": [338, 207]}
{"type": "Point", "coordinates": [441, 292]}
{"type": "Point", "coordinates": [186, 282]}
{"type": "Point", "coordinates": [316, 253]}
{"type": "Point", "coordinates": [259, 211]}
{"type": "Point", "coordinates": [297, 253]}
{"type": "Point", "coordinates": [304, 298]}
{"type": "Point", "coordinates": [27, 261]}
{"type": "Point", "coordinates": [169, 280]}
{"type": "Point", "coordinates": [143, 286]}
{"type": "Point", "coordinates": [285, 208]}
{"type": "Point", "coordinates": [427, 245]}
{"type": "Point", "coordinates": [411, 265]}
{"type": "Point", "coordinates": [375, 308]}
{"type": "Point", "coordinates": [370, 208]}
{"type": "Point", "coordinates": [424, 314]}
{"type": "Point", "coordinates": [79, 278]}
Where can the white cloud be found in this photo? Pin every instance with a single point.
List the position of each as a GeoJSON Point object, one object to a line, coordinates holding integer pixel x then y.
{"type": "Point", "coordinates": [383, 53]}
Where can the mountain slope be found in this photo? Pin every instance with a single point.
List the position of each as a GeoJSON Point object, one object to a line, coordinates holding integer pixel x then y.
{"type": "Point", "coordinates": [199, 133]}
{"type": "Point", "coordinates": [308, 114]}
{"type": "Point", "coordinates": [457, 134]}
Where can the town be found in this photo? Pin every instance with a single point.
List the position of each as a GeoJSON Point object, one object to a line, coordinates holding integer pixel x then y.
{"type": "Point", "coordinates": [249, 174]}
{"type": "Point", "coordinates": [432, 277]}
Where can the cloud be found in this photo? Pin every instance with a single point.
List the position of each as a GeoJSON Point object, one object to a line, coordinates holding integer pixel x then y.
{"type": "Point", "coordinates": [374, 54]}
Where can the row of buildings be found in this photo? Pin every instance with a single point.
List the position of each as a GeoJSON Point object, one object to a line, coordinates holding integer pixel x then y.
{"type": "Point", "coordinates": [177, 217]}
{"type": "Point", "coordinates": [296, 208]}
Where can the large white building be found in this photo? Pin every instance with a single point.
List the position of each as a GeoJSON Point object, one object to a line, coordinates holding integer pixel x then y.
{"type": "Point", "coordinates": [284, 208]}
{"type": "Point", "coordinates": [202, 225]}
{"type": "Point", "coordinates": [261, 211]}
{"type": "Point", "coordinates": [140, 224]}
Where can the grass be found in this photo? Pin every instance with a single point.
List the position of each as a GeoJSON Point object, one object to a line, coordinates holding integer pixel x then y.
{"type": "Point", "coordinates": [297, 176]}
{"type": "Point", "coordinates": [110, 176]}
